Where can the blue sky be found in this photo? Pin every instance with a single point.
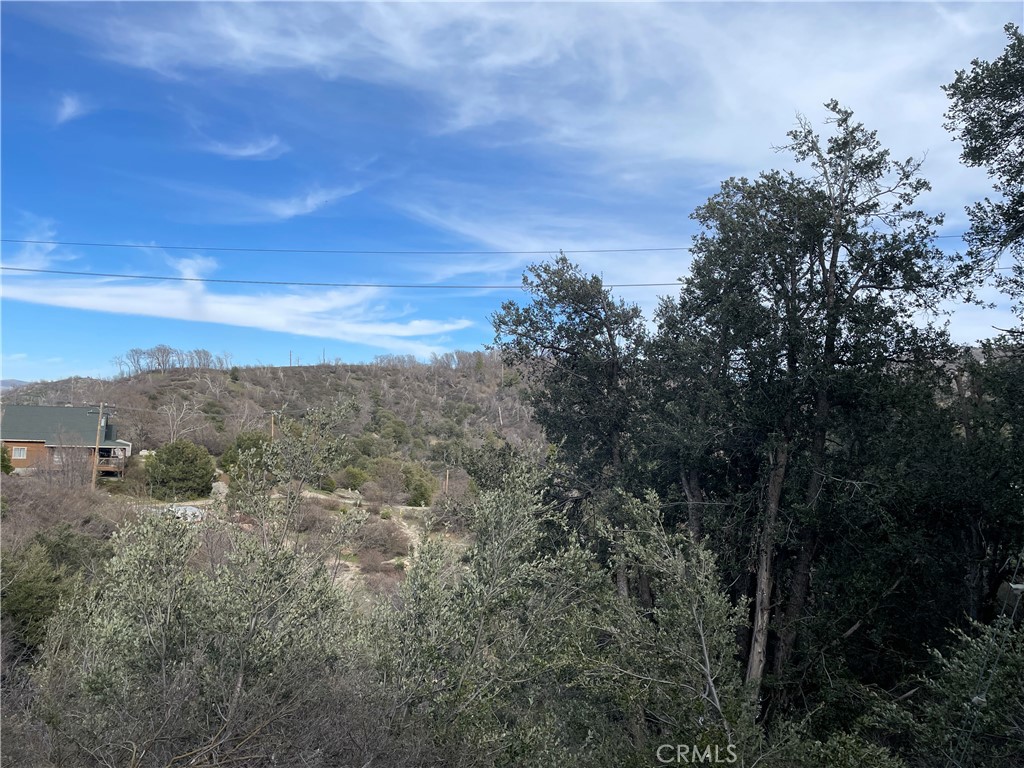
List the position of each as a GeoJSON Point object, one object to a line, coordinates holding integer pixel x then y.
{"type": "Point", "coordinates": [414, 127]}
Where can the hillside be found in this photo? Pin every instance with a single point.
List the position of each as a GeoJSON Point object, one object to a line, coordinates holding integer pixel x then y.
{"type": "Point", "coordinates": [408, 433]}
{"type": "Point", "coordinates": [410, 408]}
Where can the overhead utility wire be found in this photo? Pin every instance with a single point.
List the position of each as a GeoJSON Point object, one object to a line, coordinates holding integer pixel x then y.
{"type": "Point", "coordinates": [313, 284]}
{"type": "Point", "coordinates": [352, 252]}
{"type": "Point", "coordinates": [357, 252]}
{"type": "Point", "coordinates": [304, 284]}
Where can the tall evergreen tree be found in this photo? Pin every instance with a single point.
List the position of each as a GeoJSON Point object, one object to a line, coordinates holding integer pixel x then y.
{"type": "Point", "coordinates": [581, 350]}
{"type": "Point", "coordinates": [801, 296]}
{"type": "Point", "coordinates": [986, 113]}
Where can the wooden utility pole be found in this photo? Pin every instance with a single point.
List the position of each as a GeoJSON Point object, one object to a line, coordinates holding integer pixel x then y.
{"type": "Point", "coordinates": [271, 426]}
{"type": "Point", "coordinates": [96, 452]}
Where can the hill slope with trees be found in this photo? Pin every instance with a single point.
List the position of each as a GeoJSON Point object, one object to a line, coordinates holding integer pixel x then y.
{"type": "Point", "coordinates": [783, 527]}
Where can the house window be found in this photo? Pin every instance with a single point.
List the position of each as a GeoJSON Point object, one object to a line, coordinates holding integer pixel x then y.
{"type": "Point", "coordinates": [19, 452]}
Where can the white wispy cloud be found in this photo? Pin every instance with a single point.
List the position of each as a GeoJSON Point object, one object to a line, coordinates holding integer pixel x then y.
{"type": "Point", "coordinates": [352, 315]}
{"type": "Point", "coordinates": [193, 267]}
{"type": "Point", "coordinates": [230, 206]}
{"type": "Point", "coordinates": [69, 107]}
{"type": "Point", "coordinates": [649, 82]}
{"type": "Point", "coordinates": [358, 315]}
{"type": "Point", "coordinates": [41, 254]}
{"type": "Point", "coordinates": [501, 223]}
{"type": "Point", "coordinates": [306, 202]}
{"type": "Point", "coordinates": [260, 148]}
{"type": "Point", "coordinates": [632, 96]}
{"type": "Point", "coordinates": [633, 100]}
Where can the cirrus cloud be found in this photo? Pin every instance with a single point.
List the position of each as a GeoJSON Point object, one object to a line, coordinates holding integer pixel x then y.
{"type": "Point", "coordinates": [353, 315]}
{"type": "Point", "coordinates": [70, 107]}
{"type": "Point", "coordinates": [260, 148]}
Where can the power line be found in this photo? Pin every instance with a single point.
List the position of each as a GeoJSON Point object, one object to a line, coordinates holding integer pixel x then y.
{"type": "Point", "coordinates": [294, 283]}
{"type": "Point", "coordinates": [316, 284]}
{"type": "Point", "coordinates": [358, 252]}
{"type": "Point", "coordinates": [350, 252]}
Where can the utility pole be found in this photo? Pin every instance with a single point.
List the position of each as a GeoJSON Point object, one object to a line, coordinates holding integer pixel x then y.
{"type": "Point", "coordinates": [271, 426]}
{"type": "Point", "coordinates": [96, 452]}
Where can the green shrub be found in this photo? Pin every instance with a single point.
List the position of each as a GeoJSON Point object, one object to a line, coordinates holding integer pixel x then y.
{"type": "Point", "coordinates": [353, 478]}
{"type": "Point", "coordinates": [245, 441]}
{"type": "Point", "coordinates": [147, 659]}
{"type": "Point", "coordinates": [421, 492]}
{"type": "Point", "coordinates": [180, 470]}
{"type": "Point", "coordinates": [390, 427]}
{"type": "Point", "coordinates": [33, 587]}
{"type": "Point", "coordinates": [5, 461]}
{"type": "Point", "coordinates": [420, 484]}
{"type": "Point", "coordinates": [37, 576]}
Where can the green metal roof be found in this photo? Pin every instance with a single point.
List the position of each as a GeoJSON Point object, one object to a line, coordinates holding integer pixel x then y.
{"type": "Point", "coordinates": [55, 425]}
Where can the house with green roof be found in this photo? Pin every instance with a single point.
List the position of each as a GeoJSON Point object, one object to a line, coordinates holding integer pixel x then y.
{"type": "Point", "coordinates": [47, 437]}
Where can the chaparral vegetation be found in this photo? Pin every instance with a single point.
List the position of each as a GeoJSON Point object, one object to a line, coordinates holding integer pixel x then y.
{"type": "Point", "coordinates": [782, 524]}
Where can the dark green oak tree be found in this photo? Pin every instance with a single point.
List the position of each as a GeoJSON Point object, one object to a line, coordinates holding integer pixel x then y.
{"type": "Point", "coordinates": [799, 304]}
{"type": "Point", "coordinates": [581, 350]}
{"type": "Point", "coordinates": [986, 113]}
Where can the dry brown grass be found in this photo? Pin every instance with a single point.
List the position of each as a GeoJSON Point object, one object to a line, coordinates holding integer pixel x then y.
{"type": "Point", "coordinates": [383, 536]}
{"type": "Point", "coordinates": [31, 505]}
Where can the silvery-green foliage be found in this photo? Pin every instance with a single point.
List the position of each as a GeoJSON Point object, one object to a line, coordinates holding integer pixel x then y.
{"type": "Point", "coordinates": [475, 640]}
{"type": "Point", "coordinates": [684, 647]}
{"type": "Point", "coordinates": [163, 661]}
{"type": "Point", "coordinates": [269, 481]}
{"type": "Point", "coordinates": [512, 654]}
{"type": "Point", "coordinates": [969, 707]}
{"type": "Point", "coordinates": [313, 447]}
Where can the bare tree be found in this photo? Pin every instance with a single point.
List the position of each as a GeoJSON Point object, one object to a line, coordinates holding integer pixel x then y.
{"type": "Point", "coordinates": [122, 365]}
{"type": "Point", "coordinates": [135, 359]}
{"type": "Point", "coordinates": [162, 356]}
{"type": "Point", "coordinates": [202, 358]}
{"type": "Point", "coordinates": [182, 418]}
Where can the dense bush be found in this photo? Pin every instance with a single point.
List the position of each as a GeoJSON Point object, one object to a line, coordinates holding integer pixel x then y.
{"type": "Point", "coordinates": [384, 536]}
{"type": "Point", "coordinates": [353, 478]}
{"type": "Point", "coordinates": [32, 589]}
{"type": "Point", "coordinates": [250, 663]}
{"type": "Point", "coordinates": [245, 441]}
{"type": "Point", "coordinates": [37, 576]}
{"type": "Point", "coordinates": [180, 470]}
{"type": "Point", "coordinates": [420, 484]}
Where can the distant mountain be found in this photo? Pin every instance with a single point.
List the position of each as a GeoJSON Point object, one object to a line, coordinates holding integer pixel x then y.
{"type": "Point", "coordinates": [8, 384]}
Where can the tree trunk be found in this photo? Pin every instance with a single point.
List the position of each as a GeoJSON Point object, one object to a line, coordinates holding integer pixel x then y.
{"type": "Point", "coordinates": [643, 588]}
{"type": "Point", "coordinates": [622, 579]}
{"type": "Point", "coordinates": [800, 583]}
{"type": "Point", "coordinates": [765, 570]}
{"type": "Point", "coordinates": [798, 591]}
{"type": "Point", "coordinates": [694, 497]}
